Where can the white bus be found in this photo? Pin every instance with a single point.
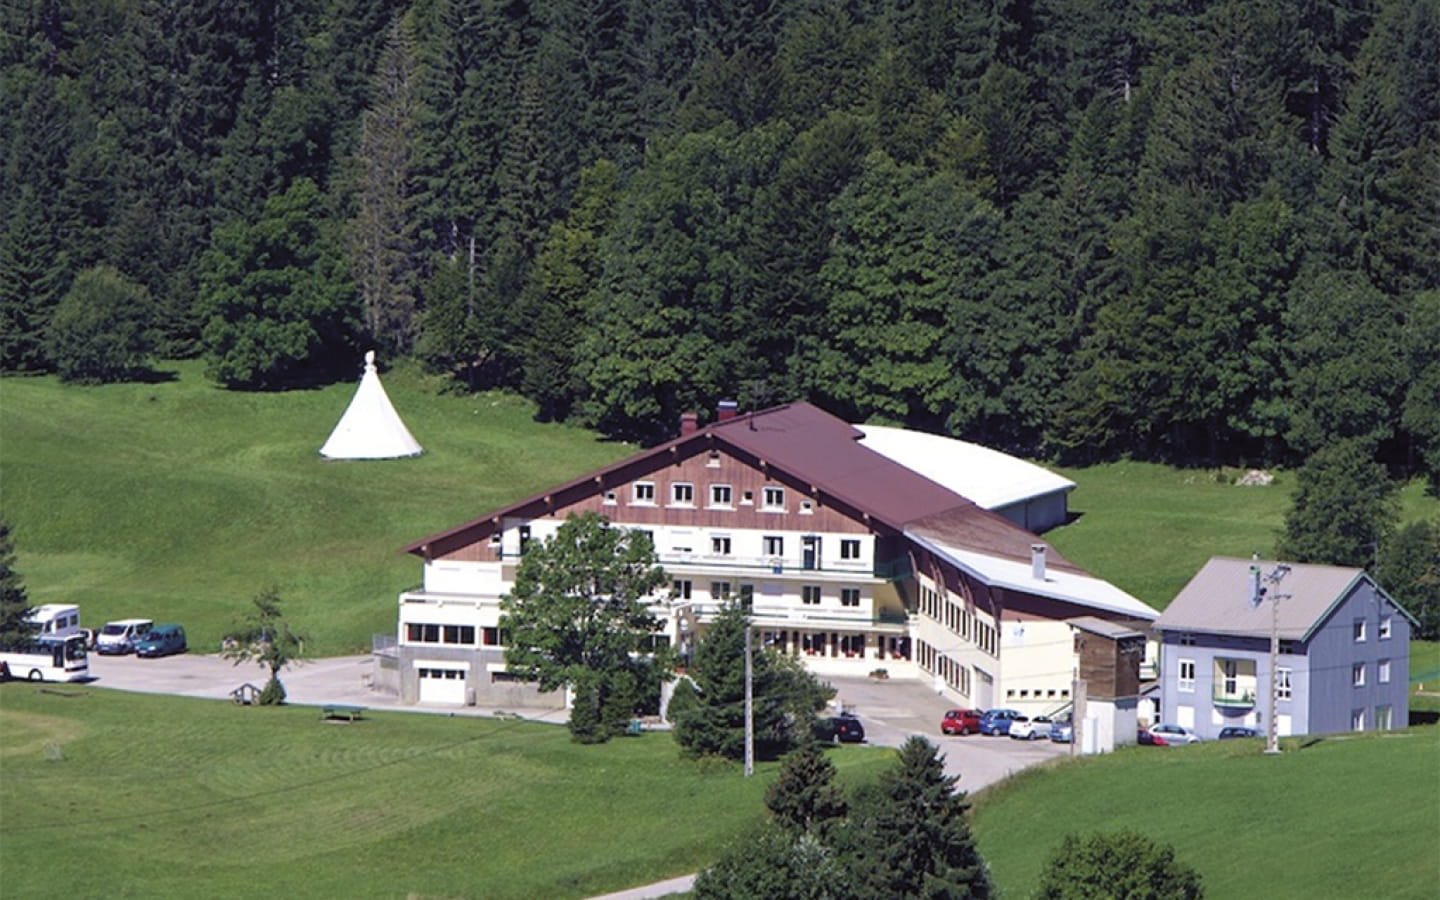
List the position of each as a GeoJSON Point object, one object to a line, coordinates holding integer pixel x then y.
{"type": "Point", "coordinates": [47, 659]}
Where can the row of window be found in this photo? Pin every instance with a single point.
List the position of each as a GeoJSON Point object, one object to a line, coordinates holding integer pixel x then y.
{"type": "Point", "coordinates": [959, 620]}
{"type": "Point", "coordinates": [460, 635]}
{"type": "Point", "coordinates": [810, 594]}
{"type": "Point", "coordinates": [722, 496]}
{"type": "Point", "coordinates": [1358, 630]}
{"type": "Point", "coordinates": [955, 675]}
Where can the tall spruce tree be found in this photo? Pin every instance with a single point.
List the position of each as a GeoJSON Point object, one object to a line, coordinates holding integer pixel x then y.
{"type": "Point", "coordinates": [908, 836]}
{"type": "Point", "coordinates": [15, 607]}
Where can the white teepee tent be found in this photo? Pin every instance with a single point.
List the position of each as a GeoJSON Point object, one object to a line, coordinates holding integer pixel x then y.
{"type": "Point", "coordinates": [370, 428]}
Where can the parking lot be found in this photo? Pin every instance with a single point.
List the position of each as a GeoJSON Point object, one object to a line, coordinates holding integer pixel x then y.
{"type": "Point", "coordinates": [891, 709]}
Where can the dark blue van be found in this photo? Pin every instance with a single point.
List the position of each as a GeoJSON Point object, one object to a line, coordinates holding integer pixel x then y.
{"type": "Point", "coordinates": [162, 640]}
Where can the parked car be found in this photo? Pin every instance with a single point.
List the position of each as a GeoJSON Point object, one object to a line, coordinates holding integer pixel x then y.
{"type": "Point", "coordinates": [121, 636]}
{"type": "Point", "coordinates": [1030, 728]}
{"type": "Point", "coordinates": [961, 721]}
{"type": "Point", "coordinates": [843, 728]}
{"type": "Point", "coordinates": [1239, 731]}
{"type": "Point", "coordinates": [1061, 731]}
{"type": "Point", "coordinates": [997, 721]}
{"type": "Point", "coordinates": [162, 640]}
{"type": "Point", "coordinates": [1165, 735]}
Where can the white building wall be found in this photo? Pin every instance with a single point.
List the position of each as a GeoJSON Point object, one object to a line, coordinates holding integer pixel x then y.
{"type": "Point", "coordinates": [1040, 666]}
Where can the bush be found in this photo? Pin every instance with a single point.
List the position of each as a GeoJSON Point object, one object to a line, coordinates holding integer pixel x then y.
{"type": "Point", "coordinates": [1122, 865]}
{"type": "Point", "coordinates": [99, 332]}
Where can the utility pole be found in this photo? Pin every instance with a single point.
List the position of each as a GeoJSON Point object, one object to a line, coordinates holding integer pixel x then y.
{"type": "Point", "coordinates": [1272, 728]}
{"type": "Point", "coordinates": [749, 708]}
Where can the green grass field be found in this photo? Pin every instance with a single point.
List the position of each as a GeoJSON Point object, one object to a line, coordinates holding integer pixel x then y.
{"type": "Point", "coordinates": [131, 795]}
{"type": "Point", "coordinates": [180, 501]}
{"type": "Point", "coordinates": [1350, 816]}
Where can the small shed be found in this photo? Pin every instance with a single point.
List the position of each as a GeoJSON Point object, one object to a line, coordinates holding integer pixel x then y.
{"type": "Point", "coordinates": [1108, 656]}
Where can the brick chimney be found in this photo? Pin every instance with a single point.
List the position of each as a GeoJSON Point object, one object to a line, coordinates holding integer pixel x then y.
{"type": "Point", "coordinates": [726, 410]}
{"type": "Point", "coordinates": [689, 423]}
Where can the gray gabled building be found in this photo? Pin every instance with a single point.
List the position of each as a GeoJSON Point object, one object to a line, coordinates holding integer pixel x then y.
{"type": "Point", "coordinates": [1344, 650]}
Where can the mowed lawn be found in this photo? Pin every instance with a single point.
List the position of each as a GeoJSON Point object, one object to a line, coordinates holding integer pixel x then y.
{"type": "Point", "coordinates": [1345, 816]}
{"type": "Point", "coordinates": [180, 501]}
{"type": "Point", "coordinates": [131, 795]}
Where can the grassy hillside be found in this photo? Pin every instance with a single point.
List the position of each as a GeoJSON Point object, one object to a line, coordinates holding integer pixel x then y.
{"type": "Point", "coordinates": [180, 501]}
{"type": "Point", "coordinates": [1345, 816]}
{"type": "Point", "coordinates": [172, 797]}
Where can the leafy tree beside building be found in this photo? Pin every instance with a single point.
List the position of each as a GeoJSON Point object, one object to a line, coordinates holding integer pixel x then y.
{"type": "Point", "coordinates": [578, 617]}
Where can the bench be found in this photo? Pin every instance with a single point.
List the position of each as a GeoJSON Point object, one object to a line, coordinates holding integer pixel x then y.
{"type": "Point", "coordinates": [336, 711]}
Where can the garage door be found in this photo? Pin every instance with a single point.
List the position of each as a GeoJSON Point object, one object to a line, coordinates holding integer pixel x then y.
{"type": "Point", "coordinates": [442, 685]}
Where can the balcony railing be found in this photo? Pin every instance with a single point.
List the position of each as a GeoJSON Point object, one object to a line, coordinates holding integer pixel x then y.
{"type": "Point", "coordinates": [1234, 699]}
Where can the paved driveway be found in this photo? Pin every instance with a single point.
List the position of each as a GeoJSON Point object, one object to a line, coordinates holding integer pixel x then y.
{"type": "Point", "coordinates": [894, 709]}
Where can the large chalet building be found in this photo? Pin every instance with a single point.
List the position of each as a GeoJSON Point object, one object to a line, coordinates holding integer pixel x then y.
{"type": "Point", "coordinates": [853, 547]}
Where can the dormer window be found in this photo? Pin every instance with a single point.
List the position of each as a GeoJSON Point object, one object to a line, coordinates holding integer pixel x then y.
{"type": "Point", "coordinates": [773, 498]}
{"type": "Point", "coordinates": [644, 493]}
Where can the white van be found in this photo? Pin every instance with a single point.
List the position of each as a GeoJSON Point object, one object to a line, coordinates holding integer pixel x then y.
{"type": "Point", "coordinates": [56, 619]}
{"type": "Point", "coordinates": [122, 635]}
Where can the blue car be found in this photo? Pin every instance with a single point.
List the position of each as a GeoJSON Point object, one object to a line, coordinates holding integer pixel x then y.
{"type": "Point", "coordinates": [997, 721]}
{"type": "Point", "coordinates": [1061, 732]}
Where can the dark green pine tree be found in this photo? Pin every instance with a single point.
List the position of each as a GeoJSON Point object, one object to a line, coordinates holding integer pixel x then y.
{"type": "Point", "coordinates": [1408, 568]}
{"type": "Point", "coordinates": [14, 601]}
{"type": "Point", "coordinates": [785, 696]}
{"type": "Point", "coordinates": [1421, 414]}
{"type": "Point", "coordinates": [1380, 189]}
{"type": "Point", "coordinates": [33, 274]}
{"type": "Point", "coordinates": [805, 798]}
{"type": "Point", "coordinates": [908, 835]}
{"type": "Point", "coordinates": [381, 234]}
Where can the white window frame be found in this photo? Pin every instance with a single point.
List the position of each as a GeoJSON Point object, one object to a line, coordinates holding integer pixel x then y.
{"type": "Point", "coordinates": [720, 590]}
{"type": "Point", "coordinates": [772, 498]}
{"type": "Point", "coordinates": [1283, 688]}
{"type": "Point", "coordinates": [682, 493]}
{"type": "Point", "coordinates": [1357, 720]}
{"type": "Point", "coordinates": [1384, 718]}
{"type": "Point", "coordinates": [608, 498]}
{"type": "Point", "coordinates": [1182, 683]}
{"type": "Point", "coordinates": [684, 589]}
{"type": "Point", "coordinates": [1384, 630]}
{"type": "Point", "coordinates": [722, 496]}
{"type": "Point", "coordinates": [642, 493]}
{"type": "Point", "coordinates": [1358, 631]}
{"type": "Point", "coordinates": [720, 544]}
{"type": "Point", "coordinates": [1357, 675]}
{"type": "Point", "coordinates": [850, 548]}
{"type": "Point", "coordinates": [810, 594]}
{"type": "Point", "coordinates": [774, 545]}
{"type": "Point", "coordinates": [1382, 672]}
{"type": "Point", "coordinates": [850, 597]}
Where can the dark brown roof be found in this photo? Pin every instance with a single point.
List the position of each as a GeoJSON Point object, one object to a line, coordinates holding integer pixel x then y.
{"type": "Point", "coordinates": [800, 443]}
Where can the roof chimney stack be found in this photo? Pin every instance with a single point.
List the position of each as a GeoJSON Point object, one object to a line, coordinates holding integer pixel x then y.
{"type": "Point", "coordinates": [689, 423]}
{"type": "Point", "coordinates": [1037, 561]}
{"type": "Point", "coordinates": [726, 410]}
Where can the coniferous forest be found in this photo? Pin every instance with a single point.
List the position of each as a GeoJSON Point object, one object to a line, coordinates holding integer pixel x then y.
{"type": "Point", "coordinates": [1198, 232]}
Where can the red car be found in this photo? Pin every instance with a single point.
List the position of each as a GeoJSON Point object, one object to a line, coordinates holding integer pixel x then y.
{"type": "Point", "coordinates": [961, 721]}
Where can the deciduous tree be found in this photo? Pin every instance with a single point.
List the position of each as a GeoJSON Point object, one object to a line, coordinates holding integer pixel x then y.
{"type": "Point", "coordinates": [100, 331]}
{"type": "Point", "coordinates": [1345, 505]}
{"type": "Point", "coordinates": [578, 616]}
{"type": "Point", "coordinates": [1123, 865]}
{"type": "Point", "coordinates": [264, 636]}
